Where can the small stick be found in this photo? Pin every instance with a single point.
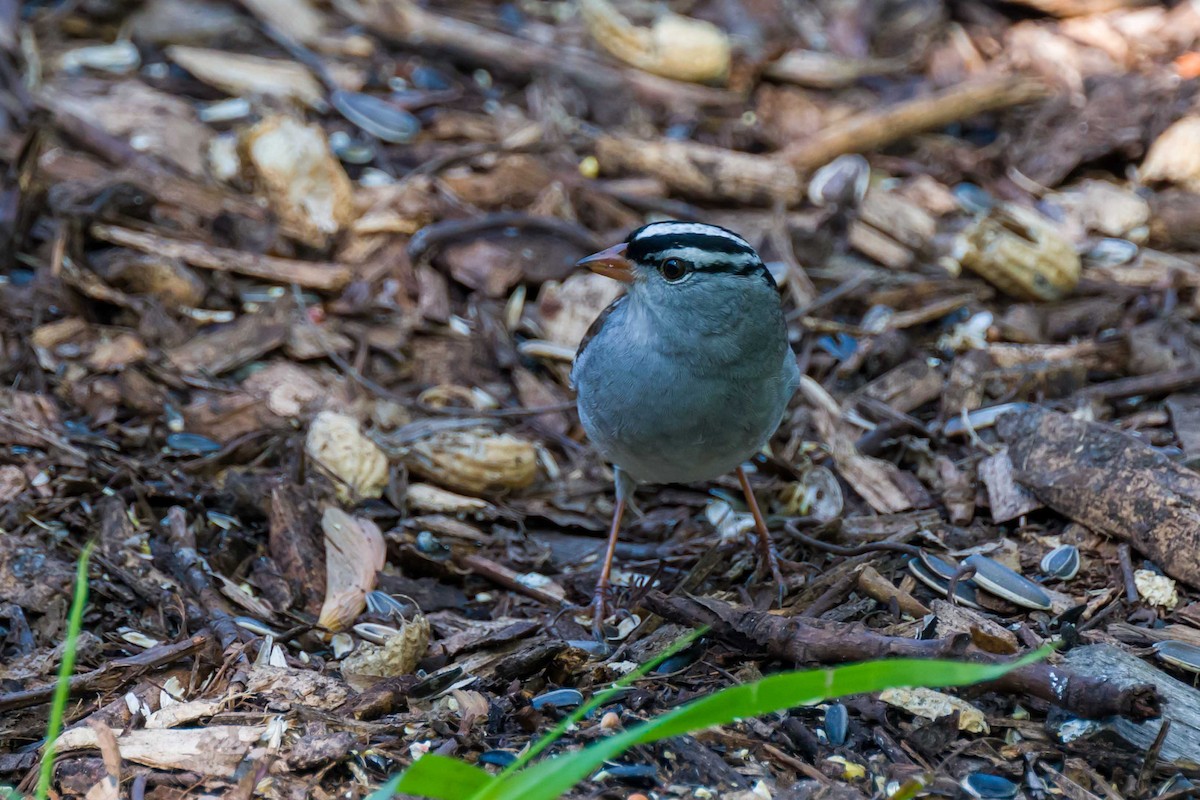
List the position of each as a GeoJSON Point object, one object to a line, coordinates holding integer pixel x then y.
{"type": "Point", "coordinates": [189, 569]}
{"type": "Point", "coordinates": [840, 550]}
{"type": "Point", "coordinates": [831, 596]}
{"type": "Point", "coordinates": [157, 656]}
{"type": "Point", "coordinates": [326, 277]}
{"type": "Point", "coordinates": [964, 572]}
{"type": "Point", "coordinates": [707, 172]}
{"type": "Point", "coordinates": [1124, 556]}
{"type": "Point", "coordinates": [1159, 383]}
{"type": "Point", "coordinates": [806, 641]}
{"type": "Point", "coordinates": [873, 129]}
{"type": "Point", "coordinates": [1146, 773]}
{"type": "Point", "coordinates": [503, 576]}
{"type": "Point", "coordinates": [883, 590]}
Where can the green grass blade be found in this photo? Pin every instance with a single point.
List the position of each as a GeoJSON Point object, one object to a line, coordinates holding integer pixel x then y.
{"type": "Point", "coordinates": [439, 777]}
{"type": "Point", "coordinates": [449, 779]}
{"type": "Point", "coordinates": [553, 777]}
{"type": "Point", "coordinates": [58, 705]}
{"type": "Point", "coordinates": [682, 643]}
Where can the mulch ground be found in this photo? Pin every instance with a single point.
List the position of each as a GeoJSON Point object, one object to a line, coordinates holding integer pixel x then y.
{"type": "Point", "coordinates": [287, 310]}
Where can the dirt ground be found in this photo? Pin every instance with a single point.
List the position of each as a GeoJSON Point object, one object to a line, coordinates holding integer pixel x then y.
{"type": "Point", "coordinates": [287, 310]}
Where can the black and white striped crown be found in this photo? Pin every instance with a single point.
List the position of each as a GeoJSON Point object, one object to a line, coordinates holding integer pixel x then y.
{"type": "Point", "coordinates": [709, 248]}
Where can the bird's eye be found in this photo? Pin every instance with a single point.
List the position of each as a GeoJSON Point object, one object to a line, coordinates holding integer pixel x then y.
{"type": "Point", "coordinates": [674, 269]}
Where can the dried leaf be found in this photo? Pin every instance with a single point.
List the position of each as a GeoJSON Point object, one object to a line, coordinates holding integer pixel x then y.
{"type": "Point", "coordinates": [354, 553]}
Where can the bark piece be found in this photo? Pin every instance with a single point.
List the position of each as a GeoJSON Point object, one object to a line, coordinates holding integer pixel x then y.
{"type": "Point", "coordinates": [1117, 110]}
{"type": "Point", "coordinates": [1110, 482]}
{"type": "Point", "coordinates": [987, 634]}
{"type": "Point", "coordinates": [1181, 746]}
{"type": "Point", "coordinates": [229, 347]}
{"type": "Point", "coordinates": [1185, 419]}
{"type": "Point", "coordinates": [1007, 499]}
{"type": "Point", "coordinates": [295, 546]}
{"type": "Point", "coordinates": [906, 387]}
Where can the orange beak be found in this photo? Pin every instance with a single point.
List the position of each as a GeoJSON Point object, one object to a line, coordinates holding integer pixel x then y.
{"type": "Point", "coordinates": [610, 263]}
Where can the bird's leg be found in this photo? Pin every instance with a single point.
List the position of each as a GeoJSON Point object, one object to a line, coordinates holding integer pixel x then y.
{"type": "Point", "coordinates": [766, 555]}
{"type": "Point", "coordinates": [600, 601]}
{"type": "Point", "coordinates": [624, 490]}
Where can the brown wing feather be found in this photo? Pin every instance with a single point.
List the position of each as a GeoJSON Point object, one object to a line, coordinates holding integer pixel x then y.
{"type": "Point", "coordinates": [596, 325]}
{"type": "Point", "coordinates": [593, 329]}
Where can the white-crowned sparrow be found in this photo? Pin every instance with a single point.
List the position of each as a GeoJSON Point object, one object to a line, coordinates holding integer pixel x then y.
{"type": "Point", "coordinates": [688, 374]}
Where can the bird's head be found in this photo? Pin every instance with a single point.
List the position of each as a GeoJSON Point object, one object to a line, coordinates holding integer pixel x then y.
{"type": "Point", "coordinates": [681, 262]}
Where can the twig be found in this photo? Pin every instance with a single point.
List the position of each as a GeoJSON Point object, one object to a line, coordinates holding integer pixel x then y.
{"type": "Point", "coordinates": [1146, 773]}
{"type": "Point", "coordinates": [1124, 557]}
{"type": "Point", "coordinates": [804, 640]}
{"type": "Point", "coordinates": [502, 575]}
{"type": "Point", "coordinates": [833, 295]}
{"type": "Point", "coordinates": [873, 129]}
{"type": "Point", "coordinates": [715, 173]}
{"type": "Point", "coordinates": [964, 572]}
{"type": "Point", "coordinates": [1159, 383]}
{"type": "Point", "coordinates": [50, 439]}
{"type": "Point", "coordinates": [703, 171]}
{"type": "Point", "coordinates": [831, 596]}
{"type": "Point", "coordinates": [883, 590]}
{"type": "Point", "coordinates": [841, 550]}
{"type": "Point", "coordinates": [190, 571]}
{"type": "Point", "coordinates": [148, 659]}
{"type": "Point", "coordinates": [321, 276]}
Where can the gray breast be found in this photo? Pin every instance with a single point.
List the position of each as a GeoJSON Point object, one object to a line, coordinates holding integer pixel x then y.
{"type": "Point", "coordinates": [664, 417]}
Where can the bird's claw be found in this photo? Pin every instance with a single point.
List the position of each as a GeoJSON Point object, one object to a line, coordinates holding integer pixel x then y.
{"type": "Point", "coordinates": [768, 564]}
{"type": "Point", "coordinates": [599, 609]}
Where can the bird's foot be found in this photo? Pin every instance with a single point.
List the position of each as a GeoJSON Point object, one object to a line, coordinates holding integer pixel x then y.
{"type": "Point", "coordinates": [599, 610]}
{"type": "Point", "coordinates": [768, 569]}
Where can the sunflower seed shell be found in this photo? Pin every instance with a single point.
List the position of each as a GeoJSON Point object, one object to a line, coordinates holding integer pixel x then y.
{"type": "Point", "coordinates": [995, 578]}
{"type": "Point", "coordinates": [1062, 562]}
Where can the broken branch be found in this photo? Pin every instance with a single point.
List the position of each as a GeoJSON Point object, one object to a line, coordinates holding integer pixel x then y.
{"type": "Point", "coordinates": [805, 640]}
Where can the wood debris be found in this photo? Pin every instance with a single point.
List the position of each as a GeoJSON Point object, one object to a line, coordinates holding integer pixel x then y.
{"type": "Point", "coordinates": [287, 317]}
